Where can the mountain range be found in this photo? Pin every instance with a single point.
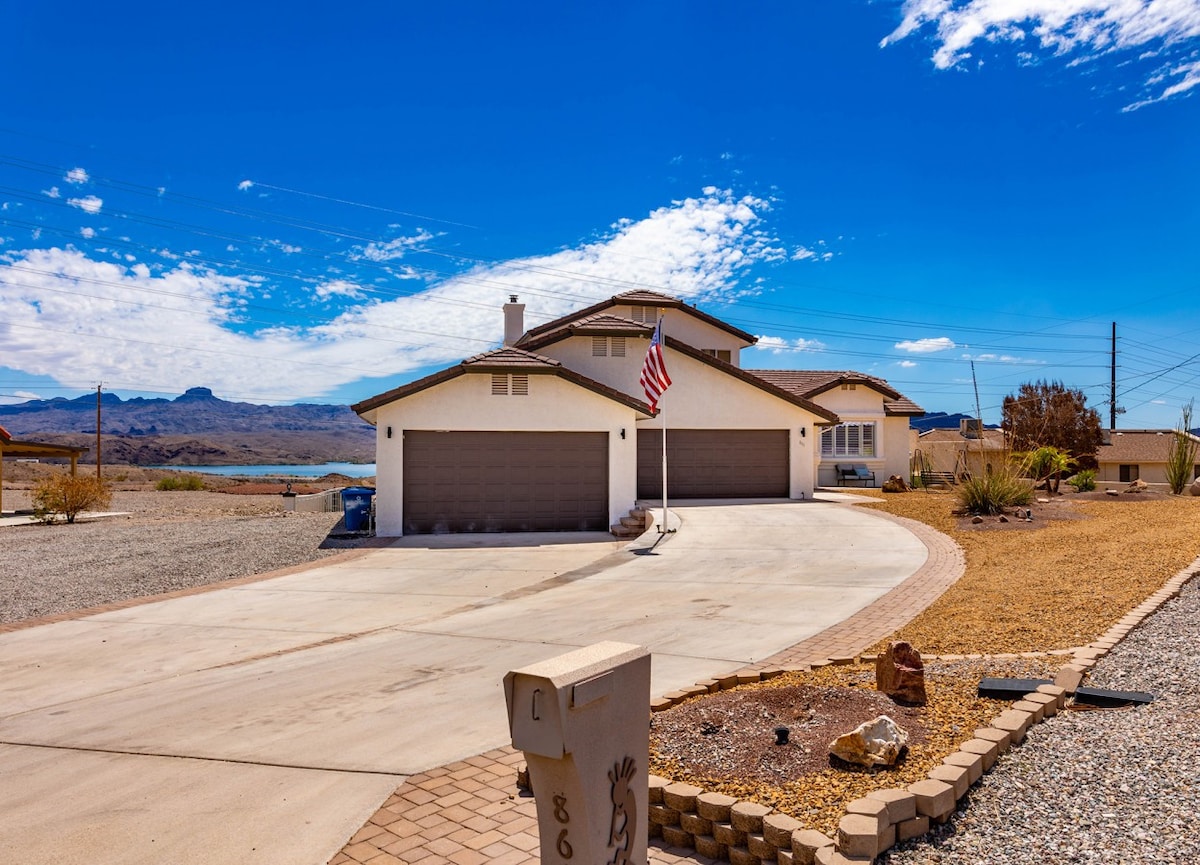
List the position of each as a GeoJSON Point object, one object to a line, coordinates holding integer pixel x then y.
{"type": "Point", "coordinates": [195, 428]}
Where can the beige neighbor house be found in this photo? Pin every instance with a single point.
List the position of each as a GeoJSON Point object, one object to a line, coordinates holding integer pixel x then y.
{"type": "Point", "coordinates": [952, 454]}
{"type": "Point", "coordinates": [552, 431]}
{"type": "Point", "coordinates": [1137, 454]}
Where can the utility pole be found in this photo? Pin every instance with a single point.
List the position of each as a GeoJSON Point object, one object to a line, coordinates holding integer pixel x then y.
{"type": "Point", "coordinates": [1112, 393]}
{"type": "Point", "coordinates": [98, 429]}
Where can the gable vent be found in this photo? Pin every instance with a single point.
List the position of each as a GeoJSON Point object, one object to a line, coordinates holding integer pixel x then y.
{"type": "Point", "coordinates": [599, 346]}
{"type": "Point", "coordinates": [499, 384]}
{"type": "Point", "coordinates": [520, 384]}
{"type": "Point", "coordinates": [618, 346]}
{"type": "Point", "coordinates": [644, 314]}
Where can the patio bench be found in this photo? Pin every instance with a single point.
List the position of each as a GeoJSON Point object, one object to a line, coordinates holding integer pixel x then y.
{"type": "Point", "coordinates": [854, 472]}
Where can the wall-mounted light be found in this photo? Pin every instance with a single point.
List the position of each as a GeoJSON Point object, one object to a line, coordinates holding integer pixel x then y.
{"type": "Point", "coordinates": [389, 432]}
{"type": "Point", "coordinates": [803, 432]}
{"type": "Point", "coordinates": [622, 432]}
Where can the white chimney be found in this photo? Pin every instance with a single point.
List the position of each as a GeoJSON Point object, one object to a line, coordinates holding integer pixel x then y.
{"type": "Point", "coordinates": [514, 320]}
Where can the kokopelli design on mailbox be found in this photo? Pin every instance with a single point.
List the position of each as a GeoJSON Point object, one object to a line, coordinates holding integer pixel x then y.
{"type": "Point", "coordinates": [624, 815]}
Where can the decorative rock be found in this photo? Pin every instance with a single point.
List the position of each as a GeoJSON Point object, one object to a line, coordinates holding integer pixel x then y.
{"type": "Point", "coordinates": [977, 520]}
{"type": "Point", "coordinates": [900, 674]}
{"type": "Point", "coordinates": [897, 484]}
{"type": "Point", "coordinates": [873, 743]}
{"type": "Point", "coordinates": [1194, 489]}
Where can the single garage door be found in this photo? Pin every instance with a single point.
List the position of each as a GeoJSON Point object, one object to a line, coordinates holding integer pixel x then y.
{"type": "Point", "coordinates": [505, 482]}
{"type": "Point", "coordinates": [714, 464]}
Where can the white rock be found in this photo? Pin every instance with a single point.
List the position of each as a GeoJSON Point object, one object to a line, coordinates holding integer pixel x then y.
{"type": "Point", "coordinates": [874, 743]}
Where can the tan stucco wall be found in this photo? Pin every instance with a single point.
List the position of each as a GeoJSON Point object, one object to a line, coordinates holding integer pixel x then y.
{"type": "Point", "coordinates": [467, 403]}
{"type": "Point", "coordinates": [865, 405]}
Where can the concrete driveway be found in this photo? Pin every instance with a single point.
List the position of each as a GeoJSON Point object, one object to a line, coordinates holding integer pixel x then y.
{"type": "Point", "coordinates": [264, 723]}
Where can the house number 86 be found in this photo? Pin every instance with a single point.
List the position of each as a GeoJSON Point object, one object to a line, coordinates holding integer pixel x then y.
{"type": "Point", "coordinates": [561, 815]}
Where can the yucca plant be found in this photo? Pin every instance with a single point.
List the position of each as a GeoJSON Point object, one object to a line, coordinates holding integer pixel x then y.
{"type": "Point", "coordinates": [994, 492]}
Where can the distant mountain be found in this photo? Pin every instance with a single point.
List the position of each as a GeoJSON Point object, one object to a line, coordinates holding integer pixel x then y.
{"type": "Point", "coordinates": [941, 420]}
{"type": "Point", "coordinates": [196, 428]}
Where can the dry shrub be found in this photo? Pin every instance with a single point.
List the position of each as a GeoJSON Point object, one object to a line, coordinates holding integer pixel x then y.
{"type": "Point", "coordinates": [68, 496]}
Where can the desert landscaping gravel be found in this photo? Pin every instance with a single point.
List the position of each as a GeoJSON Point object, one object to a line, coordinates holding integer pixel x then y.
{"type": "Point", "coordinates": [167, 541]}
{"type": "Point", "coordinates": [1104, 786]}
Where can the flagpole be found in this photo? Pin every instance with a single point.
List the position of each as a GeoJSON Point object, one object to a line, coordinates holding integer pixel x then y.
{"type": "Point", "coordinates": [665, 525]}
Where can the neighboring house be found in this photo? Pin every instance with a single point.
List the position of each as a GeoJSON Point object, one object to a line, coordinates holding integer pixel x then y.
{"type": "Point", "coordinates": [1137, 454]}
{"type": "Point", "coordinates": [10, 448]}
{"type": "Point", "coordinates": [552, 432]}
{"type": "Point", "coordinates": [959, 452]}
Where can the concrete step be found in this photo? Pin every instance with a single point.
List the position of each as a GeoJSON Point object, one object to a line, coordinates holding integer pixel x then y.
{"type": "Point", "coordinates": [623, 531]}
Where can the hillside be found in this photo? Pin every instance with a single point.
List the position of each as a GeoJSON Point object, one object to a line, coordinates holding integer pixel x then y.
{"type": "Point", "coordinates": [196, 428]}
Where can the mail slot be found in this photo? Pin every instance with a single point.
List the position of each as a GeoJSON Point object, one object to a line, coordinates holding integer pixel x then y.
{"type": "Point", "coordinates": [582, 720]}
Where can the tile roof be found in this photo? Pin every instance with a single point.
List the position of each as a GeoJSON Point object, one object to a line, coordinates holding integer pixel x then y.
{"type": "Point", "coordinates": [507, 359]}
{"type": "Point", "coordinates": [992, 439]}
{"type": "Point", "coordinates": [1138, 446]}
{"type": "Point", "coordinates": [601, 324]}
{"type": "Point", "coordinates": [809, 383]}
{"type": "Point", "coordinates": [633, 298]}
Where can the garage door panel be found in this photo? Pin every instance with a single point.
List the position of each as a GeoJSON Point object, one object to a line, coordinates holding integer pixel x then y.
{"type": "Point", "coordinates": [715, 463]}
{"type": "Point", "coordinates": [505, 482]}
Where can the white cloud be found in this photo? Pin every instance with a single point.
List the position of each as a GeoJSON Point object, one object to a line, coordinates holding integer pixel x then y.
{"type": "Point", "coordinates": [1002, 358]}
{"type": "Point", "coordinates": [158, 324]}
{"type": "Point", "coordinates": [337, 288]}
{"type": "Point", "coordinates": [927, 345]}
{"type": "Point", "coordinates": [87, 232]}
{"type": "Point", "coordinates": [1083, 27]}
{"type": "Point", "coordinates": [389, 250]}
{"type": "Point", "coordinates": [245, 184]}
{"type": "Point", "coordinates": [88, 204]}
{"type": "Point", "coordinates": [52, 192]}
{"type": "Point", "coordinates": [18, 396]}
{"type": "Point", "coordinates": [284, 246]}
{"type": "Point", "coordinates": [779, 345]}
{"type": "Point", "coordinates": [907, 364]}
{"type": "Point", "coordinates": [77, 176]}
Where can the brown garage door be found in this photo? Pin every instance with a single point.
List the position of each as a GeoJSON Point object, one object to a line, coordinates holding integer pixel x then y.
{"type": "Point", "coordinates": [714, 464]}
{"type": "Point", "coordinates": [505, 482]}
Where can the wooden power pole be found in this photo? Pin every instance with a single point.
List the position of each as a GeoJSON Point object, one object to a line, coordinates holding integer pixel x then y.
{"type": "Point", "coordinates": [98, 429]}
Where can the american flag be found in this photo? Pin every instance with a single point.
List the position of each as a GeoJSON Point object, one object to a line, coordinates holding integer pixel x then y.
{"type": "Point", "coordinates": [654, 376]}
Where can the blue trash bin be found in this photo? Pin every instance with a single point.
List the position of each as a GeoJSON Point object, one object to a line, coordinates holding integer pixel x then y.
{"type": "Point", "coordinates": [356, 507]}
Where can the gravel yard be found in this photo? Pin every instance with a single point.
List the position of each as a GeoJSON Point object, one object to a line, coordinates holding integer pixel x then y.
{"type": "Point", "coordinates": [166, 542]}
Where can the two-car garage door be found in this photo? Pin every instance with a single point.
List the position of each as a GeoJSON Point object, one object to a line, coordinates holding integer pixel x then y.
{"type": "Point", "coordinates": [714, 463]}
{"type": "Point", "coordinates": [505, 481]}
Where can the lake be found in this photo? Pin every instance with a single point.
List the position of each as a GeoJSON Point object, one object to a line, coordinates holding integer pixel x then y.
{"type": "Point", "coordinates": [354, 470]}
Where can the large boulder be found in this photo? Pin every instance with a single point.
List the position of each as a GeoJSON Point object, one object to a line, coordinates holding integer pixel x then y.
{"type": "Point", "coordinates": [875, 743]}
{"type": "Point", "coordinates": [895, 484]}
{"type": "Point", "coordinates": [900, 673]}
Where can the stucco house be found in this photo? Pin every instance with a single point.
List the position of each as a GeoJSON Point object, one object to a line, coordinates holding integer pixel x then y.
{"type": "Point", "coordinates": [958, 453]}
{"type": "Point", "coordinates": [1137, 454]}
{"type": "Point", "coordinates": [552, 431]}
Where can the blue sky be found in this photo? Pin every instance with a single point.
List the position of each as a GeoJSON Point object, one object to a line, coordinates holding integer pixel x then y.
{"type": "Point", "coordinates": [306, 202]}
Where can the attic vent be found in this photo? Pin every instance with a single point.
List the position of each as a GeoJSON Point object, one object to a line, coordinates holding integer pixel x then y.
{"type": "Point", "coordinates": [644, 314]}
{"type": "Point", "coordinates": [516, 384]}
{"type": "Point", "coordinates": [603, 346]}
{"type": "Point", "coordinates": [849, 387]}
{"type": "Point", "coordinates": [618, 346]}
{"type": "Point", "coordinates": [599, 346]}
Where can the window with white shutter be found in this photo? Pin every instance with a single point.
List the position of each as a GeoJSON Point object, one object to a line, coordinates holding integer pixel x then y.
{"type": "Point", "coordinates": [848, 440]}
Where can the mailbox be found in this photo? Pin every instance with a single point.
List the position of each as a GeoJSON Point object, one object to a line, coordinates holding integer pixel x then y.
{"type": "Point", "coordinates": [582, 720]}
